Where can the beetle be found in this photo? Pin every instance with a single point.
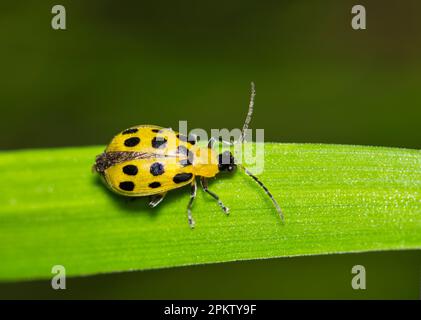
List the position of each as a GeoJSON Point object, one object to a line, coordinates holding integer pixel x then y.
{"type": "Point", "coordinates": [149, 160]}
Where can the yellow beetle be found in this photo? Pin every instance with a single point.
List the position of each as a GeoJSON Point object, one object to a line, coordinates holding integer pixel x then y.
{"type": "Point", "coordinates": [148, 160]}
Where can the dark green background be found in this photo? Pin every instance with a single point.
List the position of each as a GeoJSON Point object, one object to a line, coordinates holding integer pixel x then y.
{"type": "Point", "coordinates": [122, 63]}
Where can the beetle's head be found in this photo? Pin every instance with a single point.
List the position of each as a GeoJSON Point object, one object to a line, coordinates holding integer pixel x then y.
{"type": "Point", "coordinates": [226, 161]}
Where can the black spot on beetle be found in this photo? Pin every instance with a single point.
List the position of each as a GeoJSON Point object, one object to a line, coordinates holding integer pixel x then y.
{"type": "Point", "coordinates": [129, 131]}
{"type": "Point", "coordinates": [157, 169]}
{"type": "Point", "coordinates": [190, 139]}
{"type": "Point", "coordinates": [132, 142]}
{"type": "Point", "coordinates": [159, 142]}
{"type": "Point", "coordinates": [155, 130]}
{"type": "Point", "coordinates": [154, 185]}
{"type": "Point", "coordinates": [182, 150]}
{"type": "Point", "coordinates": [182, 177]}
{"type": "Point", "coordinates": [126, 186]}
{"type": "Point", "coordinates": [185, 162]}
{"type": "Point", "coordinates": [188, 153]}
{"type": "Point", "coordinates": [130, 170]}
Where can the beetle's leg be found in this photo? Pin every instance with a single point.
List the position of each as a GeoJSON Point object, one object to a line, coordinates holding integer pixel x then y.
{"type": "Point", "coordinates": [189, 206]}
{"type": "Point", "coordinates": [211, 142]}
{"type": "Point", "coordinates": [227, 143]}
{"type": "Point", "coordinates": [156, 199]}
{"type": "Point", "coordinates": [192, 138]}
{"type": "Point", "coordinates": [204, 183]}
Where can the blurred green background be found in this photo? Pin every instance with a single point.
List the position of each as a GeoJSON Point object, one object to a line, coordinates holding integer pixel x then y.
{"type": "Point", "coordinates": [122, 63]}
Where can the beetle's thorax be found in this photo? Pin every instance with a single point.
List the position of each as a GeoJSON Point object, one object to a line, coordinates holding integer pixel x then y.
{"type": "Point", "coordinates": [205, 162]}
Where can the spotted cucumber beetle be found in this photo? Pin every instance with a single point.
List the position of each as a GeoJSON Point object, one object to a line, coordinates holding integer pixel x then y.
{"type": "Point", "coordinates": [148, 160]}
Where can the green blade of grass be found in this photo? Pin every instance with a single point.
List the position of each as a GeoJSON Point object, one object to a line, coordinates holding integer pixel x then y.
{"type": "Point", "coordinates": [54, 211]}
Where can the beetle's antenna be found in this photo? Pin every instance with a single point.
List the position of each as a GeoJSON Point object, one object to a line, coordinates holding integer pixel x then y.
{"type": "Point", "coordinates": [248, 119]}
{"type": "Point", "coordinates": [260, 183]}
{"type": "Point", "coordinates": [249, 113]}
